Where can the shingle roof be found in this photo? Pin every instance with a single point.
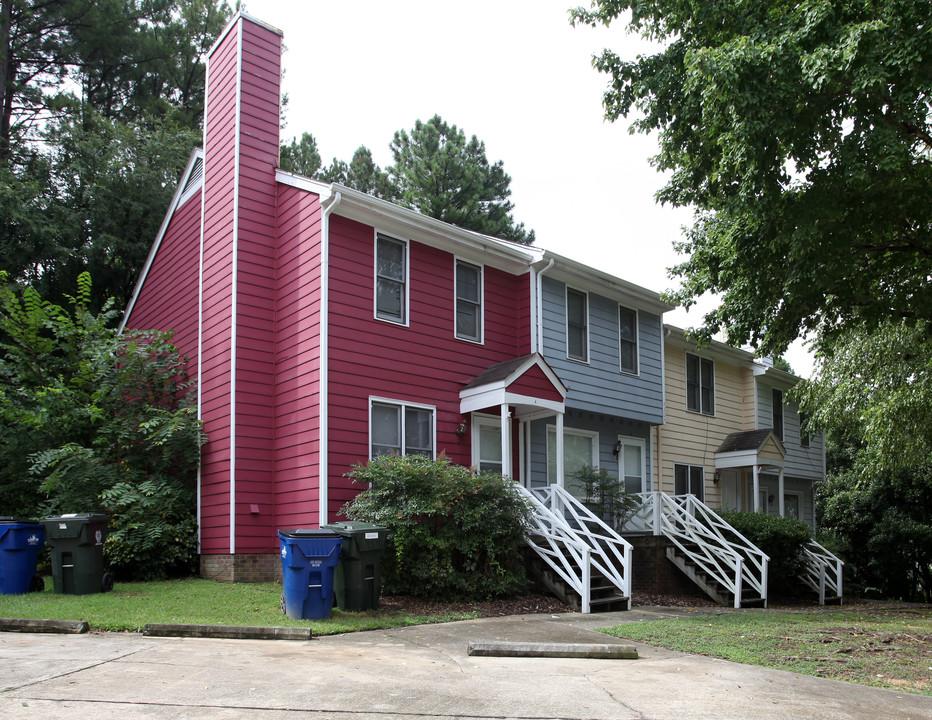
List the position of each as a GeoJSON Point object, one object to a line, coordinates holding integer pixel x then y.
{"type": "Point", "coordinates": [745, 440]}
{"type": "Point", "coordinates": [498, 372]}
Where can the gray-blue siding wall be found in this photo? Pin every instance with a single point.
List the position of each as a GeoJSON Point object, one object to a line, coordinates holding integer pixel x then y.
{"type": "Point", "coordinates": [599, 385]}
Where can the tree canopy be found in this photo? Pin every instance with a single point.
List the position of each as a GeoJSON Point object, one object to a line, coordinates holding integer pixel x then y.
{"type": "Point", "coordinates": [102, 104]}
{"type": "Point", "coordinates": [436, 171]}
{"type": "Point", "coordinates": [802, 135]}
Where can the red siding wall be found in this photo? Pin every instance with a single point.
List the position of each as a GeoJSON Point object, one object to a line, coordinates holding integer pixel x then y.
{"type": "Point", "coordinates": [421, 363]}
{"type": "Point", "coordinates": [168, 298]}
{"type": "Point", "coordinates": [297, 358]}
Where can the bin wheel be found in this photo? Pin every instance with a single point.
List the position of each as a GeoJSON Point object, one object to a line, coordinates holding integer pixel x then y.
{"type": "Point", "coordinates": [106, 582]}
{"type": "Point", "coordinates": [37, 584]}
{"type": "Point", "coordinates": [283, 603]}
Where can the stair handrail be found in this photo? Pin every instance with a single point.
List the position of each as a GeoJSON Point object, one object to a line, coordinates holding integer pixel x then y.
{"type": "Point", "coordinates": [611, 553]}
{"type": "Point", "coordinates": [555, 542]}
{"type": "Point", "coordinates": [718, 549]}
{"type": "Point", "coordinates": [822, 571]}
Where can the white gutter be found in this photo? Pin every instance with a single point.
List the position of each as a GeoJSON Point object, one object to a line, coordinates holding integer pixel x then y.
{"type": "Point", "coordinates": [323, 471]}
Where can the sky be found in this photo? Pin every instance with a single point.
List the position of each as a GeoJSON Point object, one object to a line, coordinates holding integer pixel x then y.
{"type": "Point", "coordinates": [517, 75]}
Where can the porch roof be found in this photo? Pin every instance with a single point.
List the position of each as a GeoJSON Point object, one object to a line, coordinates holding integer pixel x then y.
{"type": "Point", "coordinates": [750, 447]}
{"type": "Point", "coordinates": [526, 382]}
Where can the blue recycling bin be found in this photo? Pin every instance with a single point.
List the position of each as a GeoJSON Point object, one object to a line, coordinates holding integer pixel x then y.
{"type": "Point", "coordinates": [309, 558]}
{"type": "Point", "coordinates": [20, 542]}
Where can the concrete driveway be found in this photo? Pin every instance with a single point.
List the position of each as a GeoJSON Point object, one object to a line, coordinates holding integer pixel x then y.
{"type": "Point", "coordinates": [420, 672]}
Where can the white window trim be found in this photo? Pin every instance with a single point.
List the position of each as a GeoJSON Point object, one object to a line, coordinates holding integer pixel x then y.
{"type": "Point", "coordinates": [481, 268]}
{"type": "Point", "coordinates": [404, 404]}
{"type": "Point", "coordinates": [588, 326]}
{"type": "Point", "coordinates": [637, 341]}
{"type": "Point", "coordinates": [592, 434]}
{"type": "Point", "coordinates": [406, 302]}
{"type": "Point", "coordinates": [641, 443]}
{"type": "Point", "coordinates": [700, 411]}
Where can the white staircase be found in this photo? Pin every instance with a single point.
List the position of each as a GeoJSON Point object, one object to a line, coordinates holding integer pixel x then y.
{"type": "Point", "coordinates": [727, 566]}
{"type": "Point", "coordinates": [579, 553]}
{"type": "Point", "coordinates": [823, 573]}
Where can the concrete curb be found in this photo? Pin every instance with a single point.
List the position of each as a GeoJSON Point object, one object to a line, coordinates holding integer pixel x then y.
{"type": "Point", "coordinates": [28, 625]}
{"type": "Point", "coordinates": [230, 632]}
{"type": "Point", "coordinates": [604, 651]}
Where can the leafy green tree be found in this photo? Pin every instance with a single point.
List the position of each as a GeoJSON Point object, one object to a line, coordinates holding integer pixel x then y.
{"type": "Point", "coordinates": [102, 103]}
{"type": "Point", "coordinates": [92, 421]}
{"type": "Point", "coordinates": [801, 134]}
{"type": "Point", "coordinates": [442, 174]}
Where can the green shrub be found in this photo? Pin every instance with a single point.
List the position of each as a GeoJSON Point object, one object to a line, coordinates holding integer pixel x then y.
{"type": "Point", "coordinates": [605, 495]}
{"type": "Point", "coordinates": [452, 534]}
{"type": "Point", "coordinates": [781, 538]}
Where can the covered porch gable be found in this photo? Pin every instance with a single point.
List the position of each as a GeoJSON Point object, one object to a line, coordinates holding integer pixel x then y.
{"type": "Point", "coordinates": [524, 388]}
{"type": "Point", "coordinates": [762, 451]}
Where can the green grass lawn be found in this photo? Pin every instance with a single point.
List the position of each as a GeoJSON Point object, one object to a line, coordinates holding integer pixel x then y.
{"type": "Point", "coordinates": [129, 606]}
{"type": "Point", "coordinates": [885, 648]}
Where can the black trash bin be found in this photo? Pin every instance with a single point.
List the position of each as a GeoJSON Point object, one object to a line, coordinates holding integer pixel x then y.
{"type": "Point", "coordinates": [20, 542]}
{"type": "Point", "coordinates": [358, 578]}
{"type": "Point", "coordinates": [77, 545]}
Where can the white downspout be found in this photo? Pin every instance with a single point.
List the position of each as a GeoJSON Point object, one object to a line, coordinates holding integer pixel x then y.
{"type": "Point", "coordinates": [538, 341]}
{"type": "Point", "coordinates": [323, 472]}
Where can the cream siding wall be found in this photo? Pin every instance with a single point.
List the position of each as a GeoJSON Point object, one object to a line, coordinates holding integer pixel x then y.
{"type": "Point", "coordinates": [692, 438]}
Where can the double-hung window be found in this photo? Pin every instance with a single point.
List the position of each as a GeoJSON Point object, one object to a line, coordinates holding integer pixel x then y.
{"type": "Point", "coordinates": [628, 339]}
{"type": "Point", "coordinates": [468, 301]}
{"type": "Point", "coordinates": [688, 479]}
{"type": "Point", "coordinates": [577, 325]}
{"type": "Point", "coordinates": [700, 385]}
{"type": "Point", "coordinates": [391, 279]}
{"type": "Point", "coordinates": [777, 398]}
{"type": "Point", "coordinates": [400, 429]}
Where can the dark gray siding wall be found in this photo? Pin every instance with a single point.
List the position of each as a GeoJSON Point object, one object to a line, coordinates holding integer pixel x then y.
{"type": "Point", "coordinates": [599, 385]}
{"type": "Point", "coordinates": [609, 429]}
{"type": "Point", "coordinates": [801, 462]}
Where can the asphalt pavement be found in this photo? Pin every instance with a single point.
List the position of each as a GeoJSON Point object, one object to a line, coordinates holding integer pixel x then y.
{"type": "Point", "coordinates": [420, 672]}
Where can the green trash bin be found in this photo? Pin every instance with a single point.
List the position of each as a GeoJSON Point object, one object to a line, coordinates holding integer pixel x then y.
{"type": "Point", "coordinates": [358, 578]}
{"type": "Point", "coordinates": [77, 545]}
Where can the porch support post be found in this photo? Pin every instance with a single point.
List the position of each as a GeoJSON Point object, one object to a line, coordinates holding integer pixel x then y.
{"type": "Point", "coordinates": [757, 488]}
{"type": "Point", "coordinates": [780, 490]}
{"type": "Point", "coordinates": [560, 449]}
{"type": "Point", "coordinates": [506, 442]}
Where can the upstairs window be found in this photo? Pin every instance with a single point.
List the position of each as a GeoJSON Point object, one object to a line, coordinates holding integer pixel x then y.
{"type": "Point", "coordinates": [400, 429]}
{"type": "Point", "coordinates": [391, 279]}
{"type": "Point", "coordinates": [577, 325]}
{"type": "Point", "coordinates": [468, 301]}
{"type": "Point", "coordinates": [777, 396]}
{"type": "Point", "coordinates": [804, 437]}
{"type": "Point", "coordinates": [700, 385]}
{"type": "Point", "coordinates": [628, 339]}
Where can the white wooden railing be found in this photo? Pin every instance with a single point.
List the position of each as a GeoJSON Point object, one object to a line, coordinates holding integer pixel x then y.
{"type": "Point", "coordinates": [714, 546]}
{"type": "Point", "coordinates": [573, 541]}
{"type": "Point", "coordinates": [822, 572]}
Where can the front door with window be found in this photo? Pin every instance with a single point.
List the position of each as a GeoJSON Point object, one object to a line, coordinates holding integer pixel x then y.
{"type": "Point", "coordinates": [487, 443]}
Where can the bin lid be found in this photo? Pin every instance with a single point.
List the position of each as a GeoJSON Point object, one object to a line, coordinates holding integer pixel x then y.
{"type": "Point", "coordinates": [357, 528]}
{"type": "Point", "coordinates": [10, 520]}
{"type": "Point", "coordinates": [90, 517]}
{"type": "Point", "coordinates": [308, 533]}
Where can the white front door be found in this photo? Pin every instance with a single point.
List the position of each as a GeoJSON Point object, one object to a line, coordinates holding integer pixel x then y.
{"type": "Point", "coordinates": [731, 491]}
